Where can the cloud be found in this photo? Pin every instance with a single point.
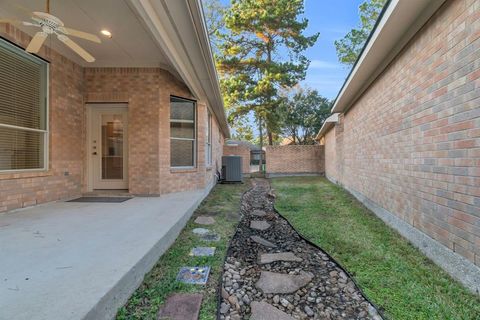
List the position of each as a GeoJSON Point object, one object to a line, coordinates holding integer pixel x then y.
{"type": "Point", "coordinates": [321, 64]}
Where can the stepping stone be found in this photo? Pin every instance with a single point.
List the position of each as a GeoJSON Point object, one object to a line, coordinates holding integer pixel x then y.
{"type": "Point", "coordinates": [258, 213]}
{"type": "Point", "coordinates": [181, 307]}
{"type": "Point", "coordinates": [272, 282]}
{"type": "Point", "coordinates": [258, 205]}
{"type": "Point", "coordinates": [259, 225]}
{"type": "Point", "coordinates": [193, 275]}
{"type": "Point", "coordinates": [205, 220]}
{"type": "Point", "coordinates": [210, 237]}
{"type": "Point", "coordinates": [282, 256]}
{"type": "Point", "coordinates": [202, 251]}
{"type": "Point", "coordinates": [263, 242]}
{"type": "Point", "coordinates": [265, 311]}
{"type": "Point", "coordinates": [200, 231]}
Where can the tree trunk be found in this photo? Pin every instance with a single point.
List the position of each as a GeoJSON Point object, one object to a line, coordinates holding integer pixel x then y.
{"type": "Point", "coordinates": [269, 98]}
{"type": "Point", "coordinates": [261, 142]}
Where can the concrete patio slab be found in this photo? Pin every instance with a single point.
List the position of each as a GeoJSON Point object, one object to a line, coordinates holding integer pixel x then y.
{"type": "Point", "coordinates": [83, 260]}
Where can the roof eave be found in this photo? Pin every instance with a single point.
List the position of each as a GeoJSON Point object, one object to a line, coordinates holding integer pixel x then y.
{"type": "Point", "coordinates": [179, 28]}
{"type": "Point", "coordinates": [398, 23]}
{"type": "Point", "coordinates": [327, 125]}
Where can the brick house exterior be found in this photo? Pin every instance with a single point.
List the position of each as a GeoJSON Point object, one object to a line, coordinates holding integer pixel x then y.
{"type": "Point", "coordinates": [146, 91]}
{"type": "Point", "coordinates": [408, 136]}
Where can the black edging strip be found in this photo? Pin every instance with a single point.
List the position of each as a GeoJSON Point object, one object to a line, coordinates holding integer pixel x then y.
{"type": "Point", "coordinates": [220, 283]}
{"type": "Point", "coordinates": [333, 259]}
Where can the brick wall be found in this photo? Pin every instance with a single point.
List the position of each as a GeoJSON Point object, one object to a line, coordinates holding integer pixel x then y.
{"type": "Point", "coordinates": [147, 92]}
{"type": "Point", "coordinates": [67, 122]}
{"type": "Point", "coordinates": [411, 142]}
{"type": "Point", "coordinates": [294, 159]}
{"type": "Point", "coordinates": [239, 150]}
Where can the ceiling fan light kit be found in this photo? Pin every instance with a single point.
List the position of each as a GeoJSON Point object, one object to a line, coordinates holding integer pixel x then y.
{"type": "Point", "coordinates": [52, 25]}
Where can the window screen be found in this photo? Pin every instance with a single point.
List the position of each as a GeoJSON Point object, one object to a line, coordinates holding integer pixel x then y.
{"type": "Point", "coordinates": [182, 132]}
{"type": "Point", "coordinates": [208, 156]}
{"type": "Point", "coordinates": [23, 109]}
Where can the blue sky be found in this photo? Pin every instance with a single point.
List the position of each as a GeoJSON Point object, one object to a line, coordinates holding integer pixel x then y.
{"type": "Point", "coordinates": [333, 19]}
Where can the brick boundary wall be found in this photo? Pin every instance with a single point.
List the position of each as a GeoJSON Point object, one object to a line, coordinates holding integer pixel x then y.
{"type": "Point", "coordinates": [411, 142]}
{"type": "Point", "coordinates": [242, 151]}
{"type": "Point", "coordinates": [294, 160]}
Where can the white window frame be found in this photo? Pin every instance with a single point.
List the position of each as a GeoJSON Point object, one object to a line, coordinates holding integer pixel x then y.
{"type": "Point", "coordinates": [10, 46]}
{"type": "Point", "coordinates": [208, 141]}
{"type": "Point", "coordinates": [194, 121]}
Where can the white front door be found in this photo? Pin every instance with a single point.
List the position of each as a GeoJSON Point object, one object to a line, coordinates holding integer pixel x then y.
{"type": "Point", "coordinates": [108, 147]}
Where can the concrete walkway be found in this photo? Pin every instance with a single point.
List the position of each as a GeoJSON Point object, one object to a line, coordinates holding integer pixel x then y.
{"type": "Point", "coordinates": [83, 260]}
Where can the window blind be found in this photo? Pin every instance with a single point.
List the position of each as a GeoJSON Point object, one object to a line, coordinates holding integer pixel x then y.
{"type": "Point", "coordinates": [182, 132]}
{"type": "Point", "coordinates": [23, 110]}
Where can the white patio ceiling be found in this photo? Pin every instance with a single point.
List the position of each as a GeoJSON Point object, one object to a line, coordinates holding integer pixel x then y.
{"type": "Point", "coordinates": [131, 45]}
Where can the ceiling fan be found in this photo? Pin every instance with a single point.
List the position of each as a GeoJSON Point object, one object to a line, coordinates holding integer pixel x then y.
{"type": "Point", "coordinates": [53, 25]}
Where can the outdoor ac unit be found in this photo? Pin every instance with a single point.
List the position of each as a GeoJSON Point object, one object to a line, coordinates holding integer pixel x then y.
{"type": "Point", "coordinates": [232, 169]}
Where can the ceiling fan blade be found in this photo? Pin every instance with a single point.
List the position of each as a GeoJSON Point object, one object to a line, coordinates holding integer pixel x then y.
{"type": "Point", "coordinates": [30, 24]}
{"type": "Point", "coordinates": [10, 21]}
{"type": "Point", "coordinates": [75, 47]}
{"type": "Point", "coordinates": [36, 42]}
{"type": "Point", "coordinates": [18, 22]}
{"type": "Point", "coordinates": [80, 34]}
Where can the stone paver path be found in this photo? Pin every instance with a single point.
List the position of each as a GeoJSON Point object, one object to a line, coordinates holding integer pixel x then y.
{"type": "Point", "coordinates": [200, 231]}
{"type": "Point", "coordinates": [181, 307]}
{"type": "Point", "coordinates": [210, 237]}
{"type": "Point", "coordinates": [259, 225]}
{"type": "Point", "coordinates": [259, 213]}
{"type": "Point", "coordinates": [263, 242]}
{"type": "Point", "coordinates": [205, 220]}
{"type": "Point", "coordinates": [281, 256]}
{"type": "Point", "coordinates": [272, 273]}
{"type": "Point", "coordinates": [272, 282]}
{"type": "Point", "coordinates": [265, 311]}
{"type": "Point", "coordinates": [202, 251]}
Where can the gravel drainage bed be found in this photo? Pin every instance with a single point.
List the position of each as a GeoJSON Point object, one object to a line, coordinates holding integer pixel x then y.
{"type": "Point", "coordinates": [271, 272]}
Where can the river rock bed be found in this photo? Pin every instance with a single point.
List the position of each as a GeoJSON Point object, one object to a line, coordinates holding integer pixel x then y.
{"type": "Point", "coordinates": [294, 277]}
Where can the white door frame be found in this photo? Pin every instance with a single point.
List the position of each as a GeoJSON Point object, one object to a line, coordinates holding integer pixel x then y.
{"type": "Point", "coordinates": [92, 109]}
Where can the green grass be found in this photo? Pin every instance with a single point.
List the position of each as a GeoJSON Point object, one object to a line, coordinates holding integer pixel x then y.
{"type": "Point", "coordinates": [392, 273]}
{"type": "Point", "coordinates": [224, 203]}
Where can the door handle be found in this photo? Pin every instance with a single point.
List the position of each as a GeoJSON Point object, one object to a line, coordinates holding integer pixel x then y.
{"type": "Point", "coordinates": [94, 153]}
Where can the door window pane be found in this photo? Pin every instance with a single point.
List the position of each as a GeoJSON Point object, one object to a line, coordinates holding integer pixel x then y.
{"type": "Point", "coordinates": [112, 146]}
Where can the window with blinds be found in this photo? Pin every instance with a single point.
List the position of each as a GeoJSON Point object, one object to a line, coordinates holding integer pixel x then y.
{"type": "Point", "coordinates": [208, 153]}
{"type": "Point", "coordinates": [23, 110]}
{"type": "Point", "coordinates": [182, 132]}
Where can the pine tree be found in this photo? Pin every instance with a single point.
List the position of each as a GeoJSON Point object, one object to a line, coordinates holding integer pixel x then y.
{"type": "Point", "coordinates": [260, 53]}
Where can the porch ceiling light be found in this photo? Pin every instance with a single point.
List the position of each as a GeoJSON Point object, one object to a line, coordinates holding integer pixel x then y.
{"type": "Point", "coordinates": [106, 33]}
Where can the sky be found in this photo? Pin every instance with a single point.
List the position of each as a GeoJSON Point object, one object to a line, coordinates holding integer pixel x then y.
{"type": "Point", "coordinates": [333, 19]}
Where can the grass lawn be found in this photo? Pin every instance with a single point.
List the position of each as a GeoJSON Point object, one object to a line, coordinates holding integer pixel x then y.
{"type": "Point", "coordinates": [224, 203]}
{"type": "Point", "coordinates": [392, 273]}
